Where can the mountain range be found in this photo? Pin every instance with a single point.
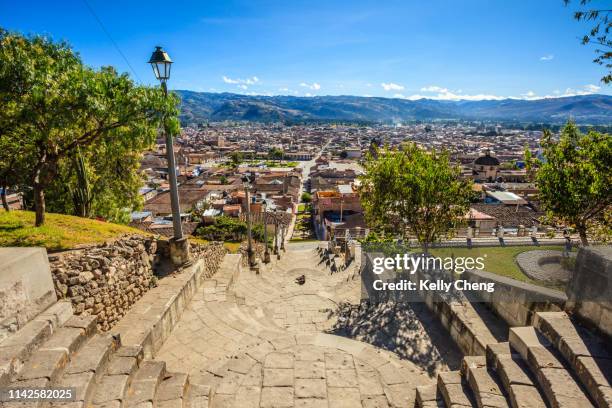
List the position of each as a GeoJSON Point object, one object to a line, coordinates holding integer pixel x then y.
{"type": "Point", "coordinates": [200, 107]}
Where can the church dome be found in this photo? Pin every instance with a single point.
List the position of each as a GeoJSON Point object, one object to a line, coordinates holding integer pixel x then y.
{"type": "Point", "coordinates": [487, 160]}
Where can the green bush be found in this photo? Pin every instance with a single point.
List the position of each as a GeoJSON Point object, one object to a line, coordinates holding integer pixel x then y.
{"type": "Point", "coordinates": [223, 228]}
{"type": "Point", "coordinates": [226, 228]}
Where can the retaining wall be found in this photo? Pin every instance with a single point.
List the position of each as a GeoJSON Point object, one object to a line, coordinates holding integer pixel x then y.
{"type": "Point", "coordinates": [590, 288]}
{"type": "Point", "coordinates": [106, 280]}
{"type": "Point", "coordinates": [514, 301]}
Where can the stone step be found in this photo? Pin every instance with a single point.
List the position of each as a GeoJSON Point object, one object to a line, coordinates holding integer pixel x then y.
{"type": "Point", "coordinates": [515, 376]}
{"type": "Point", "coordinates": [172, 391]}
{"type": "Point", "coordinates": [584, 352]}
{"type": "Point", "coordinates": [428, 396]}
{"type": "Point", "coordinates": [455, 390]}
{"type": "Point", "coordinates": [113, 385]}
{"type": "Point", "coordinates": [228, 270]}
{"type": "Point", "coordinates": [17, 348]}
{"type": "Point", "coordinates": [88, 365]}
{"type": "Point", "coordinates": [199, 396]}
{"type": "Point", "coordinates": [145, 383]}
{"type": "Point", "coordinates": [55, 353]}
{"type": "Point", "coordinates": [557, 383]}
{"type": "Point", "coordinates": [484, 383]}
{"type": "Point", "coordinates": [111, 390]}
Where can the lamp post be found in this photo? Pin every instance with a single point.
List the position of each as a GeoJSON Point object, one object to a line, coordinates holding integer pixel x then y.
{"type": "Point", "coordinates": [179, 246]}
{"type": "Point", "coordinates": [250, 254]}
{"type": "Point", "coordinates": [265, 226]}
{"type": "Point", "coordinates": [283, 233]}
{"type": "Point", "coordinates": [276, 234]}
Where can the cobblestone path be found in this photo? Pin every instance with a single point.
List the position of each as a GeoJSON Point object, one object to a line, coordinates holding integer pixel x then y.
{"type": "Point", "coordinates": [265, 341]}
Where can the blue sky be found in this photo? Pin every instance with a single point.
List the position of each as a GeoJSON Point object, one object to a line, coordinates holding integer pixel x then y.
{"type": "Point", "coordinates": [446, 49]}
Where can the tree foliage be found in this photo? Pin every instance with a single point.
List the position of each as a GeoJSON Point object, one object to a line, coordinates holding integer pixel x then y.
{"type": "Point", "coordinates": [54, 107]}
{"type": "Point", "coordinates": [575, 179]}
{"type": "Point", "coordinates": [275, 153]}
{"type": "Point", "coordinates": [601, 19]}
{"type": "Point", "coordinates": [236, 158]}
{"type": "Point", "coordinates": [226, 228]}
{"type": "Point", "coordinates": [411, 192]}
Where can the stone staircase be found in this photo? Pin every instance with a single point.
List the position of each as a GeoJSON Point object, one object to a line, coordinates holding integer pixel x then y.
{"type": "Point", "coordinates": [56, 348]}
{"type": "Point", "coordinates": [554, 363]}
{"type": "Point", "coordinates": [59, 349]}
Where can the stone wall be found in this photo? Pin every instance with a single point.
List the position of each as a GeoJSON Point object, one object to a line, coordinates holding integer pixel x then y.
{"type": "Point", "coordinates": [590, 288]}
{"type": "Point", "coordinates": [258, 249]}
{"type": "Point", "coordinates": [514, 301]}
{"type": "Point", "coordinates": [106, 280]}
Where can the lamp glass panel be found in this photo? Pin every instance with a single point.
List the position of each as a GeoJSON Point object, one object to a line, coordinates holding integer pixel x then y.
{"type": "Point", "coordinates": [155, 70]}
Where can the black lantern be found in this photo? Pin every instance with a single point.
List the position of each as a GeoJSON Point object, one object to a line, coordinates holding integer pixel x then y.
{"type": "Point", "coordinates": [161, 64]}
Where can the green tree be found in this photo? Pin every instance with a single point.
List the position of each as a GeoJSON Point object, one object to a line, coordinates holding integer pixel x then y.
{"type": "Point", "coordinates": [57, 106]}
{"type": "Point", "coordinates": [413, 192]}
{"type": "Point", "coordinates": [306, 197]}
{"type": "Point", "coordinates": [81, 194]}
{"type": "Point", "coordinates": [601, 18]}
{"type": "Point", "coordinates": [575, 178]}
{"type": "Point", "coordinates": [223, 228]}
{"type": "Point", "coordinates": [275, 153]}
{"type": "Point", "coordinates": [530, 163]}
{"type": "Point", "coordinates": [236, 158]}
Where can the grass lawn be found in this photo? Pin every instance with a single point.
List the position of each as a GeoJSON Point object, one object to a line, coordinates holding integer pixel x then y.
{"type": "Point", "coordinates": [498, 260]}
{"type": "Point", "coordinates": [59, 232]}
{"type": "Point", "coordinates": [232, 246]}
{"type": "Point", "coordinates": [301, 239]}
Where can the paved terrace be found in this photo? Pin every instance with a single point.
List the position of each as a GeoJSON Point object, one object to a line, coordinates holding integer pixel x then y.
{"type": "Point", "coordinates": [262, 340]}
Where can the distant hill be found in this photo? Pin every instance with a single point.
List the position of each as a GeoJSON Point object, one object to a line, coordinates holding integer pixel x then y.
{"type": "Point", "coordinates": [198, 107]}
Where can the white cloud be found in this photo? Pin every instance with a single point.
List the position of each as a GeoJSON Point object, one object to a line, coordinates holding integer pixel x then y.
{"type": "Point", "coordinates": [592, 88]}
{"type": "Point", "coordinates": [434, 88]}
{"type": "Point", "coordinates": [243, 86]}
{"type": "Point", "coordinates": [248, 81]}
{"type": "Point", "coordinates": [314, 86]}
{"type": "Point", "coordinates": [308, 94]}
{"type": "Point", "coordinates": [585, 90]}
{"type": "Point", "coordinates": [392, 87]}
{"type": "Point", "coordinates": [230, 80]}
{"type": "Point", "coordinates": [441, 93]}
{"type": "Point", "coordinates": [283, 89]}
{"type": "Point", "coordinates": [547, 57]}
{"type": "Point", "coordinates": [445, 94]}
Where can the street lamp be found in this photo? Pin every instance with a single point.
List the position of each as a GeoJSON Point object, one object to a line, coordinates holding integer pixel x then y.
{"type": "Point", "coordinates": [265, 226]}
{"type": "Point", "coordinates": [276, 234]}
{"type": "Point", "coordinates": [283, 233]}
{"type": "Point", "coordinates": [179, 246]}
{"type": "Point", "coordinates": [250, 254]}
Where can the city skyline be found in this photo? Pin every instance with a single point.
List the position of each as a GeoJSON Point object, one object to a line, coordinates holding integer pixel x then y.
{"type": "Point", "coordinates": [480, 50]}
